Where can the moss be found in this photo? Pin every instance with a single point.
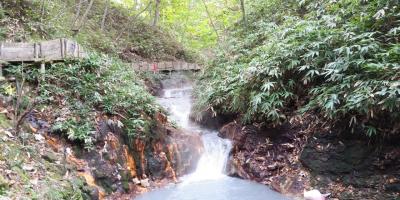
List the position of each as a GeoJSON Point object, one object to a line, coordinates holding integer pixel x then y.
{"type": "Point", "coordinates": [4, 185]}
{"type": "Point", "coordinates": [24, 177]}
{"type": "Point", "coordinates": [4, 122]}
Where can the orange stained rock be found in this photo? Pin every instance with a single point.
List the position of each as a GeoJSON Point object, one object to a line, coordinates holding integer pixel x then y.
{"type": "Point", "coordinates": [91, 182]}
{"type": "Point", "coordinates": [161, 118]}
{"type": "Point", "coordinates": [169, 171]}
{"type": "Point", "coordinates": [140, 147]}
{"type": "Point", "coordinates": [33, 129]}
{"type": "Point", "coordinates": [53, 143]}
{"type": "Point", "coordinates": [130, 162]}
{"type": "Point", "coordinates": [80, 164]}
{"type": "Point", "coordinates": [113, 141]}
{"type": "Point", "coordinates": [158, 147]}
{"type": "Point", "coordinates": [171, 151]}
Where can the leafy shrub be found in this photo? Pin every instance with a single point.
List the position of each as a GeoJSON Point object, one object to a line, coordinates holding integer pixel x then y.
{"type": "Point", "coordinates": [98, 84]}
{"type": "Point", "coordinates": [340, 59]}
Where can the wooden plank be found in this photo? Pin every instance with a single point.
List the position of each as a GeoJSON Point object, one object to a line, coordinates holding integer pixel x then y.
{"type": "Point", "coordinates": [61, 48]}
{"type": "Point", "coordinates": [1, 48]}
{"type": "Point", "coordinates": [18, 53]}
{"type": "Point", "coordinates": [36, 50]}
{"type": "Point", "coordinates": [65, 41]}
{"type": "Point", "coordinates": [51, 50]}
{"type": "Point", "coordinates": [17, 45]}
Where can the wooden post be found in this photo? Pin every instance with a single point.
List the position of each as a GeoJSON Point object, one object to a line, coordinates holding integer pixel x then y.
{"type": "Point", "coordinates": [42, 69]}
{"type": "Point", "coordinates": [62, 48]}
{"type": "Point", "coordinates": [65, 47]}
{"type": "Point", "coordinates": [1, 72]}
{"type": "Point", "coordinates": [1, 64]}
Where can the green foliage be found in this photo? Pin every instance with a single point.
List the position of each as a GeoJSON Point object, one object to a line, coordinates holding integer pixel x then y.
{"type": "Point", "coordinates": [123, 33]}
{"type": "Point", "coordinates": [340, 59]}
{"type": "Point", "coordinates": [98, 84]}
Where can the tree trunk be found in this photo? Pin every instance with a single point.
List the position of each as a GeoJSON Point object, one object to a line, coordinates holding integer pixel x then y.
{"type": "Point", "coordinates": [243, 11]}
{"type": "Point", "coordinates": [132, 19]}
{"type": "Point", "coordinates": [83, 19]}
{"type": "Point", "coordinates": [103, 21]}
{"type": "Point", "coordinates": [78, 12]}
{"type": "Point", "coordinates": [42, 10]}
{"type": "Point", "coordinates": [210, 18]}
{"type": "Point", "coordinates": [157, 12]}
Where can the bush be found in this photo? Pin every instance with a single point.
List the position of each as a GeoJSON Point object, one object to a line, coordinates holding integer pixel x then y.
{"type": "Point", "coordinates": [98, 85]}
{"type": "Point", "coordinates": [339, 59]}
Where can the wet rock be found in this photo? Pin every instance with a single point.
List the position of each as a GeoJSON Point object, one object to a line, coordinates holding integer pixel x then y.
{"type": "Point", "coordinates": [91, 192]}
{"type": "Point", "coordinates": [393, 187]}
{"type": "Point", "coordinates": [145, 182]}
{"type": "Point", "coordinates": [354, 156]}
{"type": "Point", "coordinates": [274, 166]}
{"type": "Point", "coordinates": [334, 159]}
{"type": "Point", "coordinates": [208, 119]}
{"type": "Point", "coordinates": [50, 156]}
{"type": "Point", "coordinates": [234, 132]}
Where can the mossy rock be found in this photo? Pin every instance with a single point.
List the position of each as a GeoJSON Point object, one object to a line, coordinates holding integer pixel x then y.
{"type": "Point", "coordinates": [4, 185]}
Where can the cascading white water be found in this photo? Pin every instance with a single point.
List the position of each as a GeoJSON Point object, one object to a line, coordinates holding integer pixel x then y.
{"type": "Point", "coordinates": [208, 181]}
{"type": "Point", "coordinates": [177, 100]}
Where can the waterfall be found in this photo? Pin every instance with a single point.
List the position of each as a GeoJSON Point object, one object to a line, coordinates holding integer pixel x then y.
{"type": "Point", "coordinates": [178, 101]}
{"type": "Point", "coordinates": [208, 181]}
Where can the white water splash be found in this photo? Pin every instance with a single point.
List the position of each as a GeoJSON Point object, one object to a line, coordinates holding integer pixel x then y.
{"type": "Point", "coordinates": [212, 163]}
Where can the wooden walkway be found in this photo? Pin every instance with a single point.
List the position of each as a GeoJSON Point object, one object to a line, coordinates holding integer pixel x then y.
{"type": "Point", "coordinates": [53, 50]}
{"type": "Point", "coordinates": [165, 66]}
{"type": "Point", "coordinates": [61, 49]}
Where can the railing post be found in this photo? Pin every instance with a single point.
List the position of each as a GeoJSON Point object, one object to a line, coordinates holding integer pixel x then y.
{"type": "Point", "coordinates": [1, 72]}
{"type": "Point", "coordinates": [1, 64]}
{"type": "Point", "coordinates": [42, 69]}
{"type": "Point", "coordinates": [1, 48]}
{"type": "Point", "coordinates": [62, 49]}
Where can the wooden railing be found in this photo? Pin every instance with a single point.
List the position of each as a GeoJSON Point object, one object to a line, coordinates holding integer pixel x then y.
{"type": "Point", "coordinates": [61, 49]}
{"type": "Point", "coordinates": [53, 50]}
{"type": "Point", "coordinates": [166, 66]}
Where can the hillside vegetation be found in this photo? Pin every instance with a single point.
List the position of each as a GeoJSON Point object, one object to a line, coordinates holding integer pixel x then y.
{"type": "Point", "coordinates": [116, 31]}
{"type": "Point", "coordinates": [337, 59]}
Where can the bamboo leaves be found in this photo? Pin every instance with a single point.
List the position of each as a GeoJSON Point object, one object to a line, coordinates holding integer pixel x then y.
{"type": "Point", "coordinates": [334, 62]}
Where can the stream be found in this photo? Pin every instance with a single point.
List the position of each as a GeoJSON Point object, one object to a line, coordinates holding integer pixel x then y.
{"type": "Point", "coordinates": [208, 181]}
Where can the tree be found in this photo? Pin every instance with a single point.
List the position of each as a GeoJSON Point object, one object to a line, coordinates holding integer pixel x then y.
{"type": "Point", "coordinates": [82, 22]}
{"type": "Point", "coordinates": [103, 21]}
{"type": "Point", "coordinates": [242, 7]}
{"type": "Point", "coordinates": [156, 12]}
{"type": "Point", "coordinates": [211, 19]}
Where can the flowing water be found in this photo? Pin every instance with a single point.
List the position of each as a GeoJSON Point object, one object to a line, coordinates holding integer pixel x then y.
{"type": "Point", "coordinates": [208, 182]}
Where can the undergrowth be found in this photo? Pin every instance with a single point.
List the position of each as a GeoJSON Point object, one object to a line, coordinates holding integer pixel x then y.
{"type": "Point", "coordinates": [339, 59]}
{"type": "Point", "coordinates": [123, 34]}
{"type": "Point", "coordinates": [79, 92]}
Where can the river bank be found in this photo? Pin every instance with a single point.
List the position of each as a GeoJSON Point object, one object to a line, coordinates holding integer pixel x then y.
{"type": "Point", "coordinates": [304, 154]}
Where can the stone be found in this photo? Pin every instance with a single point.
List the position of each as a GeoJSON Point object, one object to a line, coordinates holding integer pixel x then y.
{"type": "Point", "coordinates": [274, 166]}
{"type": "Point", "coordinates": [28, 168]}
{"type": "Point", "coordinates": [288, 146]}
{"type": "Point", "coordinates": [91, 192]}
{"type": "Point", "coordinates": [136, 181]}
{"type": "Point", "coordinates": [39, 137]}
{"type": "Point", "coordinates": [315, 195]}
{"type": "Point", "coordinates": [50, 156]}
{"type": "Point", "coordinates": [261, 159]}
{"type": "Point", "coordinates": [145, 182]}
{"type": "Point", "coordinates": [393, 187]}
